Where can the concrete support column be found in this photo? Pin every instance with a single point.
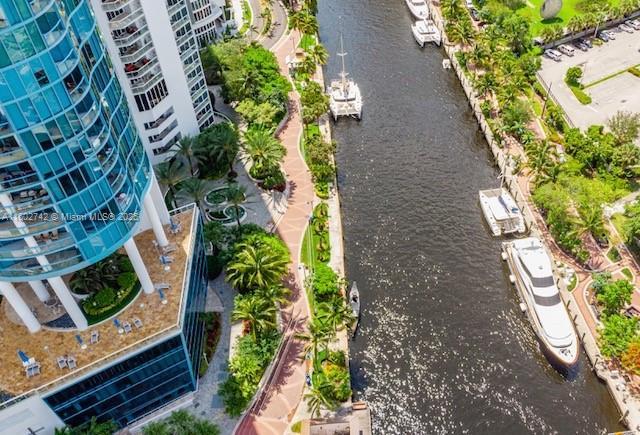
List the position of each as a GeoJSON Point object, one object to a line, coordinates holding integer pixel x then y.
{"type": "Point", "coordinates": [138, 266]}
{"type": "Point", "coordinates": [19, 305]}
{"type": "Point", "coordinates": [158, 200]}
{"type": "Point", "coordinates": [40, 290]}
{"type": "Point", "coordinates": [69, 303]}
{"type": "Point", "coordinates": [152, 215]}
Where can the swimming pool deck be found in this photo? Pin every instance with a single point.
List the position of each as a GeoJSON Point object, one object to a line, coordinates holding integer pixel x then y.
{"type": "Point", "coordinates": [158, 320]}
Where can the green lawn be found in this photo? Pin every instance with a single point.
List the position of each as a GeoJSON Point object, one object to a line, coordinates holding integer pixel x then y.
{"type": "Point", "coordinates": [531, 11]}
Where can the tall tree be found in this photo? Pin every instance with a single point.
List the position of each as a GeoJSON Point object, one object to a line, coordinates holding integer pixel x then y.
{"type": "Point", "coordinates": [254, 267]}
{"type": "Point", "coordinates": [625, 126]}
{"type": "Point", "coordinates": [266, 151]}
{"type": "Point", "coordinates": [314, 102]}
{"type": "Point", "coordinates": [186, 150]}
{"type": "Point", "coordinates": [170, 174]}
{"type": "Point", "coordinates": [195, 190]}
{"type": "Point", "coordinates": [258, 312]}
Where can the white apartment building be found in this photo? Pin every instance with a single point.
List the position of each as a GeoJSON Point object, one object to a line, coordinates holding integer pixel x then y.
{"type": "Point", "coordinates": [209, 20]}
{"type": "Point", "coordinates": [155, 54]}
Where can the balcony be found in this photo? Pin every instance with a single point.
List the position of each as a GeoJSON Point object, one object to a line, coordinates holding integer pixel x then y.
{"type": "Point", "coordinates": [11, 155]}
{"type": "Point", "coordinates": [114, 5]}
{"type": "Point", "coordinates": [130, 34]}
{"type": "Point", "coordinates": [126, 18]}
{"type": "Point", "coordinates": [134, 52]}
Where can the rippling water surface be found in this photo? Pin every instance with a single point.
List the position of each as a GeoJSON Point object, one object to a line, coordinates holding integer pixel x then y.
{"type": "Point", "coordinates": [442, 347]}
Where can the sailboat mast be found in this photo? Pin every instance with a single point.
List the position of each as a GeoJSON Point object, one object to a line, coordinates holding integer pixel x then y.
{"type": "Point", "coordinates": [342, 54]}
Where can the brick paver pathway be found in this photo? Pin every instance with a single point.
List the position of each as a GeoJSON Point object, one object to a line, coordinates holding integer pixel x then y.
{"type": "Point", "coordinates": [278, 400]}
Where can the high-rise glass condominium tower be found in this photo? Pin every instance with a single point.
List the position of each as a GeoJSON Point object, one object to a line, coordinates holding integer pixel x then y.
{"type": "Point", "coordinates": [155, 54]}
{"type": "Point", "coordinates": [76, 186]}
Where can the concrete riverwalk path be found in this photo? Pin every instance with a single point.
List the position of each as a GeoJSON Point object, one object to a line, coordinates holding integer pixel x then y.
{"type": "Point", "coordinates": [278, 399]}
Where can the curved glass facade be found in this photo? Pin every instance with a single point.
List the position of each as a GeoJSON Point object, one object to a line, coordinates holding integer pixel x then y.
{"type": "Point", "coordinates": [73, 170]}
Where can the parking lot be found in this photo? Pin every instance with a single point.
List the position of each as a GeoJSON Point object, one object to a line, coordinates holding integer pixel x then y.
{"type": "Point", "coordinates": [621, 92]}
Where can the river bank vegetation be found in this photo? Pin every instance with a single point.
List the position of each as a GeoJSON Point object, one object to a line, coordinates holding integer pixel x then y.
{"type": "Point", "coordinates": [572, 174]}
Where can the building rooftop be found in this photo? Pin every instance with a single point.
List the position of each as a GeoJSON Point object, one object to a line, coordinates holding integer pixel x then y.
{"type": "Point", "coordinates": [157, 319]}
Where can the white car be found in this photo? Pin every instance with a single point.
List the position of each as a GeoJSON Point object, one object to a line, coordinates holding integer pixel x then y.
{"type": "Point", "coordinates": [625, 28]}
{"type": "Point", "coordinates": [633, 23]}
{"type": "Point", "coordinates": [553, 54]}
{"type": "Point", "coordinates": [567, 49]}
{"type": "Point", "coordinates": [610, 34]}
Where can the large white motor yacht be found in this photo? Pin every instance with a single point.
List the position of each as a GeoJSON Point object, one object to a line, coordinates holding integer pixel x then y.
{"type": "Point", "coordinates": [501, 212]}
{"type": "Point", "coordinates": [418, 8]}
{"type": "Point", "coordinates": [344, 94]}
{"type": "Point", "coordinates": [426, 31]}
{"type": "Point", "coordinates": [533, 276]}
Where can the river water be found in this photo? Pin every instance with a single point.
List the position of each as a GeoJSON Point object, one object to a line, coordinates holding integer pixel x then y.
{"type": "Point", "coordinates": [443, 347]}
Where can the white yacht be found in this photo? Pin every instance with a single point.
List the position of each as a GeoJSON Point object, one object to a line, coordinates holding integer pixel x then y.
{"type": "Point", "coordinates": [426, 31]}
{"type": "Point", "coordinates": [344, 94]}
{"type": "Point", "coordinates": [418, 8]}
{"type": "Point", "coordinates": [532, 274]}
{"type": "Point", "coordinates": [501, 212]}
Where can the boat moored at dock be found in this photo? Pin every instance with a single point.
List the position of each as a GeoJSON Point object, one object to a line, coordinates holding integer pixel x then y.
{"type": "Point", "coordinates": [345, 98]}
{"type": "Point", "coordinates": [501, 212]}
{"type": "Point", "coordinates": [419, 8]}
{"type": "Point", "coordinates": [425, 31]}
{"type": "Point", "coordinates": [532, 275]}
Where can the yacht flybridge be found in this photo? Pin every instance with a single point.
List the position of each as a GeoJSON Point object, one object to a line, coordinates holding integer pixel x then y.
{"type": "Point", "coordinates": [426, 31]}
{"type": "Point", "coordinates": [418, 8]}
{"type": "Point", "coordinates": [532, 275]}
{"type": "Point", "coordinates": [501, 212]}
{"type": "Point", "coordinates": [344, 94]}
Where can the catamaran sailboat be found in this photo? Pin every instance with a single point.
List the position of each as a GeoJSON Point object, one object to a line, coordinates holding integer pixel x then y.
{"type": "Point", "coordinates": [344, 94]}
{"type": "Point", "coordinates": [501, 212]}
{"type": "Point", "coordinates": [418, 8]}
{"type": "Point", "coordinates": [532, 275]}
{"type": "Point", "coordinates": [426, 31]}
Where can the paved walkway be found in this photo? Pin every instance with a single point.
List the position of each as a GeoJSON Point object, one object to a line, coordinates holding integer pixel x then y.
{"type": "Point", "coordinates": [207, 403]}
{"type": "Point", "coordinates": [278, 400]}
{"type": "Point", "coordinates": [279, 23]}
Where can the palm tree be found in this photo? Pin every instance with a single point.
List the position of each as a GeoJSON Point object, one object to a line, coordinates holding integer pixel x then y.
{"type": "Point", "coordinates": [265, 150]}
{"type": "Point", "coordinates": [181, 422]}
{"type": "Point", "coordinates": [319, 335]}
{"type": "Point", "coordinates": [318, 397]}
{"type": "Point", "coordinates": [92, 427]}
{"type": "Point", "coordinates": [258, 312]}
{"type": "Point", "coordinates": [319, 54]}
{"type": "Point", "coordinates": [255, 267]}
{"type": "Point", "coordinates": [591, 221]}
{"type": "Point", "coordinates": [304, 22]}
{"type": "Point", "coordinates": [276, 294]}
{"type": "Point", "coordinates": [461, 31]}
{"type": "Point", "coordinates": [236, 195]}
{"type": "Point", "coordinates": [224, 147]}
{"type": "Point", "coordinates": [335, 313]}
{"type": "Point", "coordinates": [195, 189]}
{"type": "Point", "coordinates": [186, 150]}
{"type": "Point", "coordinates": [539, 159]}
{"type": "Point", "coordinates": [308, 66]}
{"type": "Point", "coordinates": [170, 174]}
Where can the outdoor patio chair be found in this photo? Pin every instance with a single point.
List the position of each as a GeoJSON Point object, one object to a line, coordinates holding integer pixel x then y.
{"type": "Point", "coordinates": [162, 286]}
{"type": "Point", "coordinates": [62, 362]}
{"type": "Point", "coordinates": [95, 337]}
{"type": "Point", "coordinates": [127, 327]}
{"type": "Point", "coordinates": [71, 362]}
{"type": "Point", "coordinates": [33, 370]}
{"type": "Point", "coordinates": [171, 247]}
{"type": "Point", "coordinates": [137, 322]}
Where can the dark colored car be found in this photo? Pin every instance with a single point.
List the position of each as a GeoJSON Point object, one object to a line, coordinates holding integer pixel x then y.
{"type": "Point", "coordinates": [586, 42]}
{"type": "Point", "coordinates": [581, 46]}
{"type": "Point", "coordinates": [603, 36]}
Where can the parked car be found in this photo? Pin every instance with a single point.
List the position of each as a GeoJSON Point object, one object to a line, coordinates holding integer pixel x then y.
{"type": "Point", "coordinates": [567, 49]}
{"type": "Point", "coordinates": [581, 46]}
{"type": "Point", "coordinates": [633, 23]}
{"type": "Point", "coordinates": [586, 41]}
{"type": "Point", "coordinates": [553, 54]}
{"type": "Point", "coordinates": [610, 34]}
{"type": "Point", "coordinates": [625, 28]}
{"type": "Point", "coordinates": [603, 36]}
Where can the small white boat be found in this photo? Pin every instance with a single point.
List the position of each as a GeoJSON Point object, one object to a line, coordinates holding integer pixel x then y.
{"type": "Point", "coordinates": [345, 98]}
{"type": "Point", "coordinates": [418, 8]}
{"type": "Point", "coordinates": [532, 275]}
{"type": "Point", "coordinates": [354, 301]}
{"type": "Point", "coordinates": [501, 212]}
{"type": "Point", "coordinates": [426, 31]}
